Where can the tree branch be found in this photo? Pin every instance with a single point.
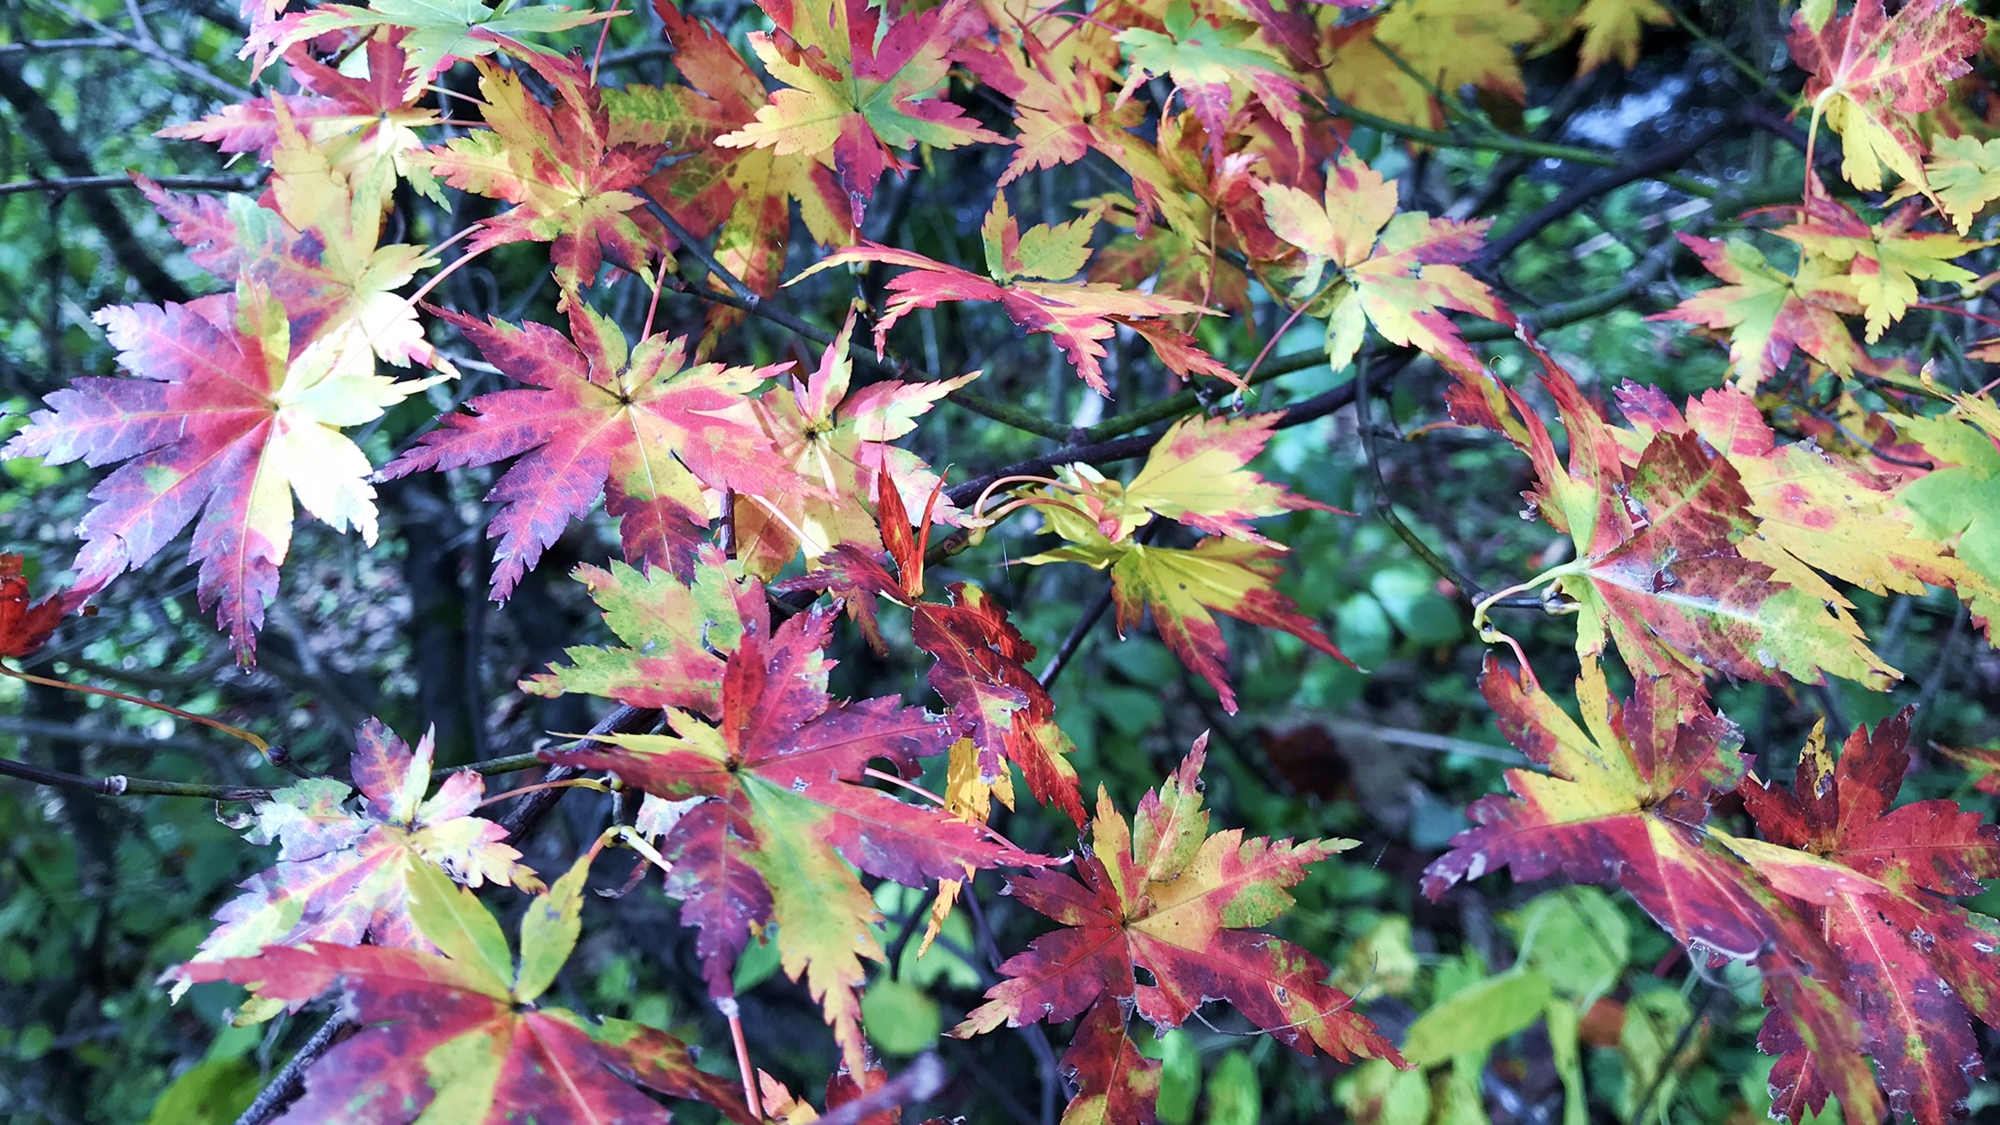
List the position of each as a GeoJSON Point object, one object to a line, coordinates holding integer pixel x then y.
{"type": "Point", "coordinates": [41, 122]}
{"type": "Point", "coordinates": [118, 785]}
{"type": "Point", "coordinates": [65, 184]}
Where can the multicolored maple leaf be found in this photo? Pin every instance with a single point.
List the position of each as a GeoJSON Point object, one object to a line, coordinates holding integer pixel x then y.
{"type": "Point", "coordinates": [1162, 896]}
{"type": "Point", "coordinates": [1196, 476]}
{"type": "Point", "coordinates": [1768, 314]}
{"type": "Point", "coordinates": [1396, 271]}
{"type": "Point", "coordinates": [1918, 967]}
{"type": "Point", "coordinates": [1659, 569]}
{"type": "Point", "coordinates": [457, 1035]}
{"type": "Point", "coordinates": [436, 34]}
{"type": "Point", "coordinates": [741, 196]}
{"type": "Point", "coordinates": [1885, 260]}
{"type": "Point", "coordinates": [364, 125]}
{"type": "Point", "coordinates": [782, 804]}
{"type": "Point", "coordinates": [570, 181]}
{"type": "Point", "coordinates": [1873, 73]}
{"type": "Point", "coordinates": [1028, 278]}
{"type": "Point", "coordinates": [1817, 512]}
{"type": "Point", "coordinates": [861, 83]}
{"type": "Point", "coordinates": [1626, 801]}
{"type": "Point", "coordinates": [839, 441]}
{"type": "Point", "coordinates": [227, 415]}
{"type": "Point", "coordinates": [673, 628]}
{"type": "Point", "coordinates": [344, 875]}
{"type": "Point", "coordinates": [636, 425]}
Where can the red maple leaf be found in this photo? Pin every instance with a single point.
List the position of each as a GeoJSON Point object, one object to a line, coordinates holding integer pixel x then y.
{"type": "Point", "coordinates": [1918, 967]}
{"type": "Point", "coordinates": [1162, 895]}
{"type": "Point", "coordinates": [782, 804]}
{"type": "Point", "coordinates": [457, 1035]}
{"type": "Point", "coordinates": [636, 425]}
{"type": "Point", "coordinates": [1626, 801]}
{"type": "Point", "coordinates": [1028, 280]}
{"type": "Point", "coordinates": [24, 628]}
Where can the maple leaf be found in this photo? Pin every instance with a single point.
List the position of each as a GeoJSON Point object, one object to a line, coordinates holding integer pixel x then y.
{"type": "Point", "coordinates": [559, 166]}
{"type": "Point", "coordinates": [741, 196]}
{"type": "Point", "coordinates": [227, 416]}
{"type": "Point", "coordinates": [456, 1034]}
{"type": "Point", "coordinates": [673, 629]}
{"type": "Point", "coordinates": [438, 33]}
{"type": "Point", "coordinates": [1884, 260]}
{"type": "Point", "coordinates": [1918, 966]}
{"type": "Point", "coordinates": [1185, 588]}
{"type": "Point", "coordinates": [1768, 313]}
{"type": "Point", "coordinates": [981, 671]}
{"type": "Point", "coordinates": [1954, 504]}
{"type": "Point", "coordinates": [1658, 565]}
{"type": "Point", "coordinates": [1625, 801]}
{"type": "Point", "coordinates": [1964, 175]}
{"type": "Point", "coordinates": [1397, 272]}
{"type": "Point", "coordinates": [1028, 271]}
{"type": "Point", "coordinates": [1815, 512]}
{"type": "Point", "coordinates": [637, 425]}
{"type": "Point", "coordinates": [1872, 74]}
{"type": "Point", "coordinates": [1613, 28]}
{"type": "Point", "coordinates": [1396, 63]}
{"type": "Point", "coordinates": [781, 806]}
{"type": "Point", "coordinates": [365, 125]}
{"type": "Point", "coordinates": [1196, 475]}
{"type": "Point", "coordinates": [841, 441]}
{"type": "Point", "coordinates": [1211, 62]}
{"type": "Point", "coordinates": [24, 628]}
{"type": "Point", "coordinates": [862, 84]}
{"type": "Point", "coordinates": [312, 242]}
{"type": "Point", "coordinates": [345, 875]}
{"type": "Point", "coordinates": [1162, 895]}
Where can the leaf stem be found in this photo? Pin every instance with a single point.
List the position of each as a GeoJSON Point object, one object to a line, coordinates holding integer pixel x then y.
{"type": "Point", "coordinates": [262, 746]}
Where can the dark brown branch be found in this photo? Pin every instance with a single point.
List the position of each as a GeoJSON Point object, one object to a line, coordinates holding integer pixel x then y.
{"type": "Point", "coordinates": [118, 785]}
{"type": "Point", "coordinates": [1643, 167]}
{"type": "Point", "coordinates": [66, 184]}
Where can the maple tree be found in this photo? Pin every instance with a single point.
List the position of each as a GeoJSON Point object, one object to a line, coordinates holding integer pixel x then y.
{"type": "Point", "coordinates": [802, 339]}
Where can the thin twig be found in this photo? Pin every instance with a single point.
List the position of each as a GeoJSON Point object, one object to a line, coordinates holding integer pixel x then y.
{"type": "Point", "coordinates": [1033, 1033]}
{"type": "Point", "coordinates": [289, 1080]}
{"type": "Point", "coordinates": [118, 785]}
{"type": "Point", "coordinates": [158, 53]}
{"type": "Point", "coordinates": [44, 46]}
{"type": "Point", "coordinates": [65, 184]}
{"type": "Point", "coordinates": [1074, 641]}
{"type": "Point", "coordinates": [116, 739]}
